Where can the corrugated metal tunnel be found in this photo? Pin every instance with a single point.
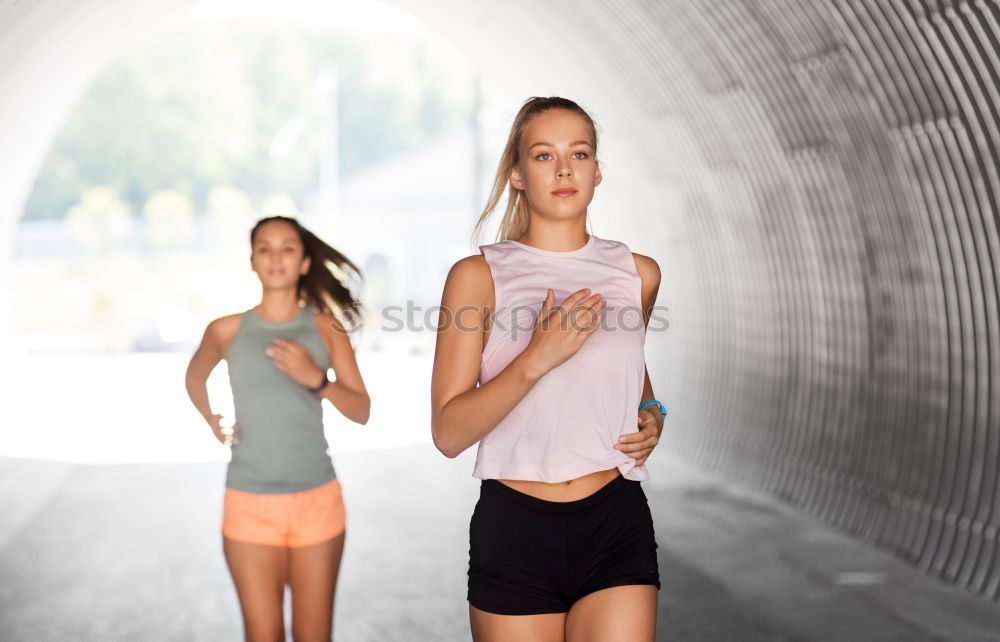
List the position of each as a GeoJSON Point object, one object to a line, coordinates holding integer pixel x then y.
{"type": "Point", "coordinates": [837, 165]}
{"type": "Point", "coordinates": [830, 260]}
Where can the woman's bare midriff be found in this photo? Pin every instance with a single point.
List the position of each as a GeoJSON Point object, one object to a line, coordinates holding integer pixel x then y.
{"type": "Point", "coordinates": [567, 491]}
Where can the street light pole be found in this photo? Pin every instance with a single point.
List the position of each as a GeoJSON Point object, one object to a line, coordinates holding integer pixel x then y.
{"type": "Point", "coordinates": [329, 160]}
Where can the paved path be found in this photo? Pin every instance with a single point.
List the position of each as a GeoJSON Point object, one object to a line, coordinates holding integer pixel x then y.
{"type": "Point", "coordinates": [132, 552]}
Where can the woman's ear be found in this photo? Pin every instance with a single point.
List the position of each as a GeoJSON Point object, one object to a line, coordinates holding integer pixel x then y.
{"type": "Point", "coordinates": [306, 262]}
{"type": "Point", "coordinates": [515, 178]}
{"type": "Point", "coordinates": [597, 175]}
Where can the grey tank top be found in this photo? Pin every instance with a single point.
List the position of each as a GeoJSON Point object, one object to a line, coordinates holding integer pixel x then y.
{"type": "Point", "coordinates": [281, 448]}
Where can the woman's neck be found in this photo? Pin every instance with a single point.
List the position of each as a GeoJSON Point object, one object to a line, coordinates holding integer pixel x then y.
{"type": "Point", "coordinates": [278, 305]}
{"type": "Point", "coordinates": [557, 238]}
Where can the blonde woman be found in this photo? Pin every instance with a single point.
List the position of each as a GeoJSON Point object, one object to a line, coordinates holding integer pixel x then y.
{"type": "Point", "coordinates": [539, 361]}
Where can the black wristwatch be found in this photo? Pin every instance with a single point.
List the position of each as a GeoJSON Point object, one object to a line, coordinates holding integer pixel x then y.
{"type": "Point", "coordinates": [319, 388]}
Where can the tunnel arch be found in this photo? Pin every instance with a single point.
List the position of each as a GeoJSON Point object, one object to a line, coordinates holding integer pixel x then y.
{"type": "Point", "coordinates": [830, 263]}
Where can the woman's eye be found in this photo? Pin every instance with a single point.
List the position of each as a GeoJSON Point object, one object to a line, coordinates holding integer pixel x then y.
{"type": "Point", "coordinates": [547, 156]}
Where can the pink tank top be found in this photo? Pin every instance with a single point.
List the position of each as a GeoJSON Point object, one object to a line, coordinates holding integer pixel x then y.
{"type": "Point", "coordinates": [568, 423]}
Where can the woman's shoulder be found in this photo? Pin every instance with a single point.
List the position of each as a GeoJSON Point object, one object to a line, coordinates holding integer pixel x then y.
{"type": "Point", "coordinates": [469, 278]}
{"type": "Point", "coordinates": [469, 270]}
{"type": "Point", "coordinates": [646, 266]}
{"type": "Point", "coordinates": [615, 244]}
{"type": "Point", "coordinates": [221, 331]}
{"type": "Point", "coordinates": [330, 323]}
{"type": "Point", "coordinates": [331, 331]}
{"type": "Point", "coordinates": [649, 273]}
{"type": "Point", "coordinates": [226, 323]}
{"type": "Point", "coordinates": [612, 249]}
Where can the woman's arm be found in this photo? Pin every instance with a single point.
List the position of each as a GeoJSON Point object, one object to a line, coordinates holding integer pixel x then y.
{"type": "Point", "coordinates": [649, 272]}
{"type": "Point", "coordinates": [210, 351]}
{"type": "Point", "coordinates": [639, 445]}
{"type": "Point", "coordinates": [348, 393]}
{"type": "Point", "coordinates": [203, 361]}
{"type": "Point", "coordinates": [462, 413]}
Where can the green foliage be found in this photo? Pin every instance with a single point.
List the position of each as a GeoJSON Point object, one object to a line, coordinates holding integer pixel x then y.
{"type": "Point", "coordinates": [195, 107]}
{"type": "Point", "coordinates": [169, 219]}
{"type": "Point", "coordinates": [101, 220]}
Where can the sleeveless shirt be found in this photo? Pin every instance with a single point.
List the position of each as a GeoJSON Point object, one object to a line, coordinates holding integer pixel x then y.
{"type": "Point", "coordinates": [566, 426]}
{"type": "Point", "coordinates": [281, 448]}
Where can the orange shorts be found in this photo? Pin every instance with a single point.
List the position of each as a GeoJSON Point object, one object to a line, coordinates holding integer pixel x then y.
{"type": "Point", "coordinates": [284, 519]}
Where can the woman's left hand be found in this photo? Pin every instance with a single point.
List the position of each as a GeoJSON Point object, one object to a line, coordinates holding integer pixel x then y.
{"type": "Point", "coordinates": [638, 445]}
{"type": "Point", "coordinates": [293, 359]}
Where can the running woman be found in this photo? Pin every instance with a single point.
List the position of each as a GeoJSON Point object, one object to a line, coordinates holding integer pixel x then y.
{"type": "Point", "coordinates": [284, 519]}
{"type": "Point", "coordinates": [550, 323]}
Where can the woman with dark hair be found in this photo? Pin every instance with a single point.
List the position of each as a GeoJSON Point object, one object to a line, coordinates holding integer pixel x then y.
{"type": "Point", "coordinates": [561, 541]}
{"type": "Point", "coordinates": [284, 519]}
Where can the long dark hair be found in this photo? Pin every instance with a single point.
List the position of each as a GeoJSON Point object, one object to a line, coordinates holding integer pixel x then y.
{"type": "Point", "coordinates": [327, 283]}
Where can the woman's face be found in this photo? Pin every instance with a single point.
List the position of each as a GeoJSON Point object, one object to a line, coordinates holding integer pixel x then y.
{"type": "Point", "coordinates": [557, 169]}
{"type": "Point", "coordinates": [277, 255]}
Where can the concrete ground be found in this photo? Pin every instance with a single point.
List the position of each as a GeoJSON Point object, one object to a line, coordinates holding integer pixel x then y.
{"type": "Point", "coordinates": [133, 552]}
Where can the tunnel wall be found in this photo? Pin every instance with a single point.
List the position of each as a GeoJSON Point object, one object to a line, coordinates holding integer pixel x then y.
{"type": "Point", "coordinates": [829, 260]}
{"type": "Point", "coordinates": [841, 348]}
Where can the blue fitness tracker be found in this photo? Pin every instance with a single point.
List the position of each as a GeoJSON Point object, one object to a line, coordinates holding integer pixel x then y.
{"type": "Point", "coordinates": [663, 410]}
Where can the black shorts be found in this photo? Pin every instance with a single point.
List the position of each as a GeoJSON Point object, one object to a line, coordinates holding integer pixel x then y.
{"type": "Point", "coordinates": [529, 556]}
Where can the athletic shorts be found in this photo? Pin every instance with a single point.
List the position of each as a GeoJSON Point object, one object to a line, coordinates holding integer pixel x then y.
{"type": "Point", "coordinates": [284, 519]}
{"type": "Point", "coordinates": [529, 556]}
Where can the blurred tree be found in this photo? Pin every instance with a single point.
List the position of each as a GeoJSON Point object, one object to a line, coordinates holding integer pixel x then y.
{"type": "Point", "coordinates": [169, 219]}
{"type": "Point", "coordinates": [101, 220]}
{"type": "Point", "coordinates": [193, 107]}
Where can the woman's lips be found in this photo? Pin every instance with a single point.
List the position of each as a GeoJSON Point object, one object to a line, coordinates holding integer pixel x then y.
{"type": "Point", "coordinates": [564, 192]}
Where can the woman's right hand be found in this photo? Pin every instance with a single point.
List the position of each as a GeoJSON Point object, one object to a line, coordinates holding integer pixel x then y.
{"type": "Point", "coordinates": [561, 331]}
{"type": "Point", "coordinates": [226, 434]}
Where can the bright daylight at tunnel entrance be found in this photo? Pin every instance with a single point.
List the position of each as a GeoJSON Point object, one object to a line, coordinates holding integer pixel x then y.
{"type": "Point", "coordinates": [135, 230]}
